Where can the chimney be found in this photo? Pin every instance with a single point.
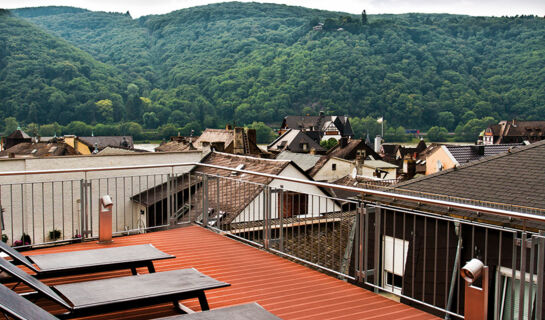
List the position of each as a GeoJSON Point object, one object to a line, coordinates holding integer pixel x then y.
{"type": "Point", "coordinates": [228, 127]}
{"type": "Point", "coordinates": [252, 136]}
{"type": "Point", "coordinates": [343, 142]}
{"type": "Point", "coordinates": [11, 155]}
{"type": "Point", "coordinates": [238, 143]}
{"type": "Point", "coordinates": [478, 149]}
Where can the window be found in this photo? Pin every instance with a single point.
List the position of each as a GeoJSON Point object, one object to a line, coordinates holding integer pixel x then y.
{"type": "Point", "coordinates": [333, 166]}
{"type": "Point", "coordinates": [507, 284]}
{"type": "Point", "coordinates": [394, 256]}
{"type": "Point", "coordinates": [439, 166]}
{"type": "Point", "coordinates": [293, 204]}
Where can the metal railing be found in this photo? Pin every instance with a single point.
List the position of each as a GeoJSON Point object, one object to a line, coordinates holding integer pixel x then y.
{"type": "Point", "coordinates": [412, 254]}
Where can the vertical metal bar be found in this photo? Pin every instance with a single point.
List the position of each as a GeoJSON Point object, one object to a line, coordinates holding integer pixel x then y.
{"type": "Point", "coordinates": [435, 264]}
{"type": "Point", "coordinates": [189, 195]}
{"type": "Point", "coordinates": [90, 202]}
{"type": "Point", "coordinates": [32, 209]}
{"type": "Point", "coordinates": [281, 218]}
{"type": "Point", "coordinates": [513, 275]}
{"type": "Point", "coordinates": [11, 211]}
{"type": "Point", "coordinates": [365, 240]}
{"type": "Point", "coordinates": [540, 272]}
{"type": "Point", "coordinates": [378, 217]}
{"type": "Point", "coordinates": [424, 259]}
{"type": "Point", "coordinates": [62, 209]}
{"type": "Point", "coordinates": [82, 207]}
{"type": "Point", "coordinates": [204, 201]}
{"type": "Point", "coordinates": [72, 207]}
{"type": "Point", "coordinates": [497, 295]}
{"type": "Point", "coordinates": [522, 274]}
{"type": "Point", "coordinates": [22, 213]}
{"type": "Point", "coordinates": [414, 256]}
{"type": "Point", "coordinates": [265, 218]}
{"type": "Point", "coordinates": [446, 263]}
{"type": "Point", "coordinates": [43, 215]}
{"type": "Point", "coordinates": [403, 258]}
{"type": "Point", "coordinates": [531, 282]}
{"type": "Point", "coordinates": [53, 208]}
{"type": "Point", "coordinates": [393, 248]}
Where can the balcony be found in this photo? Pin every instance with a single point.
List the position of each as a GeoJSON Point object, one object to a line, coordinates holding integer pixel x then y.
{"type": "Point", "coordinates": [360, 246]}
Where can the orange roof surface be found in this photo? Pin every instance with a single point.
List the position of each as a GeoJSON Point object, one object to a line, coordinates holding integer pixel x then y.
{"type": "Point", "coordinates": [285, 288]}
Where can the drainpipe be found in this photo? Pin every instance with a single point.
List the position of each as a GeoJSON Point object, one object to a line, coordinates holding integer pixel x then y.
{"type": "Point", "coordinates": [455, 269]}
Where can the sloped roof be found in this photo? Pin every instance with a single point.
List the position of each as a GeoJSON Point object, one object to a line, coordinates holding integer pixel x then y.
{"type": "Point", "coordinates": [215, 135]}
{"type": "Point", "coordinates": [40, 149]}
{"type": "Point", "coordinates": [292, 140]}
{"type": "Point", "coordinates": [112, 151]}
{"type": "Point", "coordinates": [175, 146]}
{"type": "Point", "coordinates": [464, 154]}
{"type": "Point", "coordinates": [304, 160]}
{"type": "Point", "coordinates": [514, 177]}
{"type": "Point", "coordinates": [107, 141]}
{"type": "Point", "coordinates": [18, 134]}
{"type": "Point", "coordinates": [349, 152]}
{"type": "Point", "coordinates": [321, 162]}
{"type": "Point", "coordinates": [378, 164]}
{"type": "Point", "coordinates": [318, 122]}
{"type": "Point", "coordinates": [234, 196]}
{"type": "Point", "coordinates": [519, 128]}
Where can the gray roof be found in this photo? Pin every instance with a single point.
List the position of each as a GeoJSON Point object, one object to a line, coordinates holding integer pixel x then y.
{"type": "Point", "coordinates": [293, 140]}
{"type": "Point", "coordinates": [514, 177]}
{"type": "Point", "coordinates": [107, 141]}
{"type": "Point", "coordinates": [464, 154]}
{"type": "Point", "coordinates": [304, 160]}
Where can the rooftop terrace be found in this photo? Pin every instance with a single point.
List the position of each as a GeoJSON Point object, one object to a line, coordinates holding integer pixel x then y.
{"type": "Point", "coordinates": [287, 289]}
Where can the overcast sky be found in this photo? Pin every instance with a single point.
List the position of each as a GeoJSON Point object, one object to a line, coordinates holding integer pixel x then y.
{"type": "Point", "coordinates": [470, 7]}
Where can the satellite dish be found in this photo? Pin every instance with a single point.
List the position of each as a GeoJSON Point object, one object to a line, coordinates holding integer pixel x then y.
{"type": "Point", "coordinates": [354, 173]}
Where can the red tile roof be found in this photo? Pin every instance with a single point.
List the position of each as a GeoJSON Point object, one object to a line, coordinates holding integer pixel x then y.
{"type": "Point", "coordinates": [285, 288]}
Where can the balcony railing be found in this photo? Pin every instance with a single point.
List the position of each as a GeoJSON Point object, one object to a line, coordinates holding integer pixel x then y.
{"type": "Point", "coordinates": [412, 254]}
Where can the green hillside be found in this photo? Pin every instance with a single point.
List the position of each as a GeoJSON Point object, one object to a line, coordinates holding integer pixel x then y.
{"type": "Point", "coordinates": [245, 62]}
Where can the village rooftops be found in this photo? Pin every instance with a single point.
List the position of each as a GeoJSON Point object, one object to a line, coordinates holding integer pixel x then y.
{"type": "Point", "coordinates": [102, 142]}
{"type": "Point", "coordinates": [348, 149]}
{"type": "Point", "coordinates": [464, 154]}
{"type": "Point", "coordinates": [295, 141]}
{"type": "Point", "coordinates": [319, 123]}
{"type": "Point", "coordinates": [40, 149]}
{"type": "Point", "coordinates": [513, 177]}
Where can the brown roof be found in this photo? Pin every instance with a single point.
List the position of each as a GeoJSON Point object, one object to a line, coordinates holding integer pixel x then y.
{"type": "Point", "coordinates": [175, 146]}
{"type": "Point", "coordinates": [349, 151]}
{"type": "Point", "coordinates": [40, 149]}
{"type": "Point", "coordinates": [511, 178]}
{"type": "Point", "coordinates": [155, 194]}
{"type": "Point", "coordinates": [107, 141]}
{"type": "Point", "coordinates": [519, 128]}
{"type": "Point", "coordinates": [18, 134]}
{"type": "Point", "coordinates": [233, 196]}
{"type": "Point", "coordinates": [215, 135]}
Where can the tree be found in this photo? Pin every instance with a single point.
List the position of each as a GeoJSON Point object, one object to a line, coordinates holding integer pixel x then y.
{"type": "Point", "coordinates": [364, 18]}
{"type": "Point", "coordinates": [437, 134]}
{"type": "Point", "coordinates": [150, 120]}
{"type": "Point", "coordinates": [328, 144]}
{"type": "Point", "coordinates": [446, 119]}
{"type": "Point", "coordinates": [50, 130]}
{"type": "Point", "coordinates": [264, 134]}
{"type": "Point", "coordinates": [32, 129]}
{"type": "Point", "coordinates": [105, 110]}
{"type": "Point", "coordinates": [78, 128]}
{"type": "Point", "coordinates": [168, 130]}
{"type": "Point", "coordinates": [10, 124]}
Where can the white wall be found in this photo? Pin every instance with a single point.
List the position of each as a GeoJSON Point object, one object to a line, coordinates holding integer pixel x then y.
{"type": "Point", "coordinates": [326, 173]}
{"type": "Point", "coordinates": [317, 205]}
{"type": "Point", "coordinates": [37, 204]}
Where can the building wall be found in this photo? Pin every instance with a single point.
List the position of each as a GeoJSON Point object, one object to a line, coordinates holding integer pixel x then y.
{"type": "Point", "coordinates": [317, 205]}
{"type": "Point", "coordinates": [37, 204]}
{"type": "Point", "coordinates": [443, 156]}
{"type": "Point", "coordinates": [326, 173]}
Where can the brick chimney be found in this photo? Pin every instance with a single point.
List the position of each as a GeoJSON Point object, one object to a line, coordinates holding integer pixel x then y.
{"type": "Point", "coordinates": [252, 136]}
{"type": "Point", "coordinates": [238, 141]}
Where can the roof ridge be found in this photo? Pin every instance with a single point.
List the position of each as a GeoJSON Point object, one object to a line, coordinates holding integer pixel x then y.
{"type": "Point", "coordinates": [473, 163]}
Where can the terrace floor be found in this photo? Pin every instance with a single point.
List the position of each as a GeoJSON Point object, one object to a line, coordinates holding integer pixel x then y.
{"type": "Point", "coordinates": [285, 288]}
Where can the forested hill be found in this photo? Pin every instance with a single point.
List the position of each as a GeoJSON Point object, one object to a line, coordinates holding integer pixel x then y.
{"type": "Point", "coordinates": [244, 62]}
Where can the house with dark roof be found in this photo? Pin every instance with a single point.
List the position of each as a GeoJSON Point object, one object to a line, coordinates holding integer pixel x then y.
{"type": "Point", "coordinates": [239, 196]}
{"type": "Point", "coordinates": [327, 126]}
{"type": "Point", "coordinates": [349, 149]}
{"type": "Point", "coordinates": [449, 156]}
{"type": "Point", "coordinates": [17, 136]}
{"type": "Point", "coordinates": [514, 131]}
{"type": "Point", "coordinates": [428, 243]}
{"type": "Point", "coordinates": [99, 143]}
{"type": "Point", "coordinates": [295, 141]}
{"type": "Point", "coordinates": [39, 149]}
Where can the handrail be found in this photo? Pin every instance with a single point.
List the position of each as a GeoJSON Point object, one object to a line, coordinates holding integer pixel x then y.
{"type": "Point", "coordinates": [392, 195]}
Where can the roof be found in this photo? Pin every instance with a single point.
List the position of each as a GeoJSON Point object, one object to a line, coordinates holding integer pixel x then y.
{"type": "Point", "coordinates": [319, 164]}
{"type": "Point", "coordinates": [40, 149]}
{"type": "Point", "coordinates": [18, 134]}
{"type": "Point", "coordinates": [318, 123]}
{"type": "Point", "coordinates": [175, 146]}
{"type": "Point", "coordinates": [513, 177]}
{"type": "Point", "coordinates": [379, 164]}
{"type": "Point", "coordinates": [349, 152]}
{"type": "Point", "coordinates": [305, 161]}
{"type": "Point", "coordinates": [287, 289]}
{"type": "Point", "coordinates": [112, 151]}
{"type": "Point", "coordinates": [215, 135]}
{"type": "Point", "coordinates": [107, 141]}
{"type": "Point", "coordinates": [519, 128]}
{"type": "Point", "coordinates": [233, 202]}
{"type": "Point", "coordinates": [293, 141]}
{"type": "Point", "coordinates": [464, 154]}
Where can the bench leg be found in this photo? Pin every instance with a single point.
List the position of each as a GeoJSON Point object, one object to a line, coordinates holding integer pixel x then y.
{"type": "Point", "coordinates": [181, 308]}
{"type": "Point", "coordinates": [203, 302]}
{"type": "Point", "coordinates": [151, 268]}
{"type": "Point", "coordinates": [133, 270]}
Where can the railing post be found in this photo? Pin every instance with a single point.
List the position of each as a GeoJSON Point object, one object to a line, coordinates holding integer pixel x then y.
{"type": "Point", "coordinates": [540, 271]}
{"type": "Point", "coordinates": [84, 200]}
{"type": "Point", "coordinates": [376, 261]}
{"type": "Point", "coordinates": [169, 200]}
{"type": "Point", "coordinates": [205, 201]}
{"type": "Point", "coordinates": [281, 218]}
{"type": "Point", "coordinates": [359, 232]}
{"type": "Point", "coordinates": [266, 216]}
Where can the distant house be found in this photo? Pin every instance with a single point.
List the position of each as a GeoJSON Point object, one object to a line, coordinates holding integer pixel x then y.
{"type": "Point", "coordinates": [349, 149]}
{"type": "Point", "coordinates": [17, 136]}
{"type": "Point", "coordinates": [239, 140]}
{"type": "Point", "coordinates": [305, 161]}
{"type": "Point", "coordinates": [514, 131]}
{"type": "Point", "coordinates": [98, 143]}
{"type": "Point", "coordinates": [327, 126]}
{"type": "Point", "coordinates": [447, 156]}
{"type": "Point", "coordinates": [177, 144]}
{"type": "Point", "coordinates": [295, 141]}
{"type": "Point", "coordinates": [38, 150]}
{"type": "Point", "coordinates": [234, 201]}
{"type": "Point", "coordinates": [329, 169]}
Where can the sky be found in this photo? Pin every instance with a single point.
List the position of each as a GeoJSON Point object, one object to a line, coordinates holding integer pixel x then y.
{"type": "Point", "coordinates": [139, 8]}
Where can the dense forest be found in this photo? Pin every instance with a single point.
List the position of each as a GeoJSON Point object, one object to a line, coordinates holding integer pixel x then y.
{"type": "Point", "coordinates": [247, 63]}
